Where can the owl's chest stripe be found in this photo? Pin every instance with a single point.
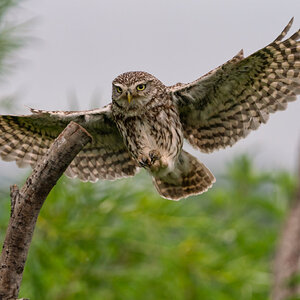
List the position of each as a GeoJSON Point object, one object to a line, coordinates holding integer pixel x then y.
{"type": "Point", "coordinates": [152, 132]}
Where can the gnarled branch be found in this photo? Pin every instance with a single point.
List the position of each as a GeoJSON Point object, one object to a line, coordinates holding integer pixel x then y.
{"type": "Point", "coordinates": [26, 205]}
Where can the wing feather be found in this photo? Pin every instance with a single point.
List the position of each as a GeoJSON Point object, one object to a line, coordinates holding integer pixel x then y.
{"type": "Point", "coordinates": [25, 139]}
{"type": "Point", "coordinates": [224, 105]}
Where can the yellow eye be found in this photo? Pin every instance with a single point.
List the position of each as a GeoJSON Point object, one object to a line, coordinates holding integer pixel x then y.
{"type": "Point", "coordinates": [141, 87]}
{"type": "Point", "coordinates": [119, 90]}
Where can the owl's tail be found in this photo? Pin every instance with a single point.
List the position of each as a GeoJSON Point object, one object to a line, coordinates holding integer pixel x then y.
{"type": "Point", "coordinates": [190, 177]}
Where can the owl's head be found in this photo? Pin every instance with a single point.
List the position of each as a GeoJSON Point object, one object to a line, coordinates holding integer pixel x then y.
{"type": "Point", "coordinates": [131, 91]}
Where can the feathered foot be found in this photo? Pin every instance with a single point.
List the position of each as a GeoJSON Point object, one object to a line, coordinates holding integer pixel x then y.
{"type": "Point", "coordinates": [154, 161]}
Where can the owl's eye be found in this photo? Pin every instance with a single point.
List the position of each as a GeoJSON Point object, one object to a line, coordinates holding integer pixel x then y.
{"type": "Point", "coordinates": [141, 87]}
{"type": "Point", "coordinates": [119, 90]}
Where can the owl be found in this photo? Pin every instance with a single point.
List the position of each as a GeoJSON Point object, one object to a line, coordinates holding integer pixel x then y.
{"type": "Point", "coordinates": [147, 122]}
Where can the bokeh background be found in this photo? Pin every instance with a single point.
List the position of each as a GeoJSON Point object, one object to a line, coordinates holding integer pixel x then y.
{"type": "Point", "coordinates": [120, 240]}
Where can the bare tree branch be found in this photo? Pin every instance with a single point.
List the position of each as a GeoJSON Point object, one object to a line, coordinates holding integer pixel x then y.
{"type": "Point", "coordinates": [286, 282]}
{"type": "Point", "coordinates": [26, 205]}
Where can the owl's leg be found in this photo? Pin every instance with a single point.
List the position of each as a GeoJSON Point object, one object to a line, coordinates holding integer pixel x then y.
{"type": "Point", "coordinates": [153, 161]}
{"type": "Point", "coordinates": [158, 161]}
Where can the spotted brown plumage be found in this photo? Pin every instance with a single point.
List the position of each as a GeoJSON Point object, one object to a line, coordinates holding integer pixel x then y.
{"type": "Point", "coordinates": [26, 139]}
{"type": "Point", "coordinates": [146, 123]}
{"type": "Point", "coordinates": [224, 105]}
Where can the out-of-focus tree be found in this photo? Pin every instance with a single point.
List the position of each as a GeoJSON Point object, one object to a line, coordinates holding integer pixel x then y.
{"type": "Point", "coordinates": [120, 240]}
{"type": "Point", "coordinates": [287, 261]}
{"type": "Point", "coordinates": [12, 37]}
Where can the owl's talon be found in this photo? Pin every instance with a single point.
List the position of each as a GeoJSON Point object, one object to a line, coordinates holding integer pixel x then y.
{"type": "Point", "coordinates": [154, 156]}
{"type": "Point", "coordinates": [154, 161]}
{"type": "Point", "coordinates": [144, 162]}
{"type": "Point", "coordinates": [155, 166]}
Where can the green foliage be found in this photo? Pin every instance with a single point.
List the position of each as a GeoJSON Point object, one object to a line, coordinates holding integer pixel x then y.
{"type": "Point", "coordinates": [11, 37]}
{"type": "Point", "coordinates": [120, 240]}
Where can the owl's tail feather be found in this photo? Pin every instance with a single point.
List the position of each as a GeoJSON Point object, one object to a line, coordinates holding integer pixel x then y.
{"type": "Point", "coordinates": [190, 177]}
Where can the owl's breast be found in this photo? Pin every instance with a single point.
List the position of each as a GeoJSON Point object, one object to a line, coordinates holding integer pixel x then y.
{"type": "Point", "coordinates": [159, 131]}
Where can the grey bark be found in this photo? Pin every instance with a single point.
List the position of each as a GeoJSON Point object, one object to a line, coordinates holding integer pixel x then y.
{"type": "Point", "coordinates": [286, 282]}
{"type": "Point", "coordinates": [26, 205]}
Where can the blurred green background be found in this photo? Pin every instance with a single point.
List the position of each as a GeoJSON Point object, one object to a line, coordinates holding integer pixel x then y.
{"type": "Point", "coordinates": [120, 240]}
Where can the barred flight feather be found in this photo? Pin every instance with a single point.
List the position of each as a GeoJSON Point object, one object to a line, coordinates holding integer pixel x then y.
{"type": "Point", "coordinates": [25, 139]}
{"type": "Point", "coordinates": [147, 121]}
{"type": "Point", "coordinates": [223, 106]}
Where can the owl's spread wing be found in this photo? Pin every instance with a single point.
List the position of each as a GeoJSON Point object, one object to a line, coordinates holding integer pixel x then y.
{"type": "Point", "coordinates": [224, 105]}
{"type": "Point", "coordinates": [26, 139]}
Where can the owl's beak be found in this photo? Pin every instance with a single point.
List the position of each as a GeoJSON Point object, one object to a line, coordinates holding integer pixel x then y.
{"type": "Point", "coordinates": [129, 97]}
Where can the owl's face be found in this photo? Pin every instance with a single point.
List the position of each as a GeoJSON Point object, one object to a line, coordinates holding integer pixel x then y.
{"type": "Point", "coordinates": [131, 91]}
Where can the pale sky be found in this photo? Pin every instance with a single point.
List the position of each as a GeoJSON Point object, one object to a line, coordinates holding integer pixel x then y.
{"type": "Point", "coordinates": [83, 45]}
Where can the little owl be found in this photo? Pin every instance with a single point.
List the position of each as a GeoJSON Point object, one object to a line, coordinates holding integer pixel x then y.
{"type": "Point", "coordinates": [147, 122]}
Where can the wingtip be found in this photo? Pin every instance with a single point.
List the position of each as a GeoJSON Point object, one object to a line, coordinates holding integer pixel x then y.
{"type": "Point", "coordinates": [239, 56]}
{"type": "Point", "coordinates": [285, 30]}
{"type": "Point", "coordinates": [32, 110]}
